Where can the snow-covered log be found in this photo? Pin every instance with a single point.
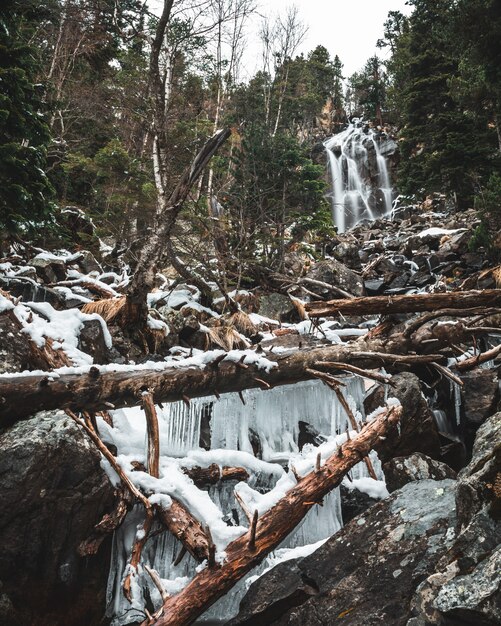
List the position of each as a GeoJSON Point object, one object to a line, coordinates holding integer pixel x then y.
{"type": "Point", "coordinates": [272, 527]}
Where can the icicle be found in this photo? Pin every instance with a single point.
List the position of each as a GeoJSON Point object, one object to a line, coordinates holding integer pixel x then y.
{"type": "Point", "coordinates": [267, 425]}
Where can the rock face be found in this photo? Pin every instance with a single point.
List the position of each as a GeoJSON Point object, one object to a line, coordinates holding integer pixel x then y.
{"type": "Point", "coordinates": [430, 555]}
{"type": "Point", "coordinates": [52, 492]}
{"type": "Point", "coordinates": [418, 431]}
{"type": "Point", "coordinates": [365, 574]}
{"type": "Point", "coordinates": [335, 273]}
{"type": "Point", "coordinates": [480, 396]}
{"type": "Point", "coordinates": [402, 470]}
{"type": "Point", "coordinates": [465, 589]}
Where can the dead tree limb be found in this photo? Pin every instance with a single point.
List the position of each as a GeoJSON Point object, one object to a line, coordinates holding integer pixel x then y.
{"type": "Point", "coordinates": [478, 359]}
{"type": "Point", "coordinates": [271, 528]}
{"type": "Point", "coordinates": [135, 311]}
{"type": "Point", "coordinates": [205, 476]}
{"type": "Point", "coordinates": [414, 303]}
{"type": "Point", "coordinates": [334, 385]}
{"type": "Point", "coordinates": [109, 523]}
{"type": "Point", "coordinates": [22, 396]}
{"type": "Point", "coordinates": [353, 369]}
{"type": "Point", "coordinates": [153, 452]}
{"type": "Point", "coordinates": [177, 519]}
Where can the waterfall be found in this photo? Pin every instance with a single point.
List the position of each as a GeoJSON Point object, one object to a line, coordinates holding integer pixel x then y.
{"type": "Point", "coordinates": [361, 187]}
{"type": "Point", "coordinates": [269, 426]}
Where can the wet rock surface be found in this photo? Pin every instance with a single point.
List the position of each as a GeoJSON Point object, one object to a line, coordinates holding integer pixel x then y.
{"type": "Point", "coordinates": [418, 431]}
{"type": "Point", "coordinates": [366, 573]}
{"type": "Point", "coordinates": [52, 493]}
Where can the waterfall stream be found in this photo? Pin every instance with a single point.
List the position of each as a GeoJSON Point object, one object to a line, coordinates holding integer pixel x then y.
{"type": "Point", "coordinates": [361, 187]}
{"type": "Point", "coordinates": [271, 426]}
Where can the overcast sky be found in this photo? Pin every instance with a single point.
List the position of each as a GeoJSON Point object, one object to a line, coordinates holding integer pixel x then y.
{"type": "Point", "coordinates": [348, 28]}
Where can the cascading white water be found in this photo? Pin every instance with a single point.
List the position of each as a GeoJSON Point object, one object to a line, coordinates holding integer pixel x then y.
{"type": "Point", "coordinates": [269, 424]}
{"type": "Point", "coordinates": [361, 187]}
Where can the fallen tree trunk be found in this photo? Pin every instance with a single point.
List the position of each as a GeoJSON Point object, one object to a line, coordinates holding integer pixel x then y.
{"type": "Point", "coordinates": [22, 396]}
{"type": "Point", "coordinates": [415, 303]}
{"type": "Point", "coordinates": [98, 389]}
{"type": "Point", "coordinates": [265, 535]}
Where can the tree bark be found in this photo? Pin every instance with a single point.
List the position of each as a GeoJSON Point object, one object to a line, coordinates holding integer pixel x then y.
{"type": "Point", "coordinates": [205, 476]}
{"type": "Point", "coordinates": [247, 551]}
{"type": "Point", "coordinates": [136, 310]}
{"type": "Point", "coordinates": [22, 396]}
{"type": "Point", "coordinates": [415, 303]}
{"type": "Point", "coordinates": [97, 390]}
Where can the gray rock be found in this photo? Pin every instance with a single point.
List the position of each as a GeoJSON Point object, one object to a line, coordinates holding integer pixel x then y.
{"type": "Point", "coordinates": [418, 430]}
{"type": "Point", "coordinates": [88, 263]}
{"type": "Point", "coordinates": [49, 270]}
{"type": "Point", "coordinates": [52, 493]}
{"type": "Point", "coordinates": [402, 470]}
{"type": "Point", "coordinates": [480, 395]}
{"type": "Point", "coordinates": [474, 598]}
{"type": "Point", "coordinates": [465, 588]}
{"type": "Point", "coordinates": [367, 572]}
{"type": "Point", "coordinates": [335, 273]}
{"type": "Point", "coordinates": [276, 306]}
{"type": "Point", "coordinates": [91, 341]}
{"type": "Point", "coordinates": [473, 492]}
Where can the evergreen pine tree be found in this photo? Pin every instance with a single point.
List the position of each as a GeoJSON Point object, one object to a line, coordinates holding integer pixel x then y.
{"type": "Point", "coordinates": [24, 189]}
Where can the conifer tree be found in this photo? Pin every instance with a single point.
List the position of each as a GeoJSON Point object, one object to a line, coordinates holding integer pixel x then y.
{"type": "Point", "coordinates": [24, 188]}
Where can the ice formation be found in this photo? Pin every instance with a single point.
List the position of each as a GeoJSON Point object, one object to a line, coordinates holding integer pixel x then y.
{"type": "Point", "coordinates": [354, 195]}
{"type": "Point", "coordinates": [268, 426]}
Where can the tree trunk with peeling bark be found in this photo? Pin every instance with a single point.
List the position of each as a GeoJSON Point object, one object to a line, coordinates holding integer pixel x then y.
{"type": "Point", "coordinates": [415, 303]}
{"type": "Point", "coordinates": [393, 347]}
{"type": "Point", "coordinates": [243, 554]}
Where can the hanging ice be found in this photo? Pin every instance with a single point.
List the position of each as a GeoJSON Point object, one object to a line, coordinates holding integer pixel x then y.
{"type": "Point", "coordinates": [271, 425]}
{"type": "Point", "coordinates": [361, 186]}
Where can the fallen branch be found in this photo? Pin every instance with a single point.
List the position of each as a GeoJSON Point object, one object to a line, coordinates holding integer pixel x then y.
{"type": "Point", "coordinates": [205, 476]}
{"type": "Point", "coordinates": [177, 519]}
{"type": "Point", "coordinates": [271, 528]}
{"type": "Point", "coordinates": [478, 359]}
{"type": "Point", "coordinates": [109, 523]}
{"type": "Point", "coordinates": [414, 303]}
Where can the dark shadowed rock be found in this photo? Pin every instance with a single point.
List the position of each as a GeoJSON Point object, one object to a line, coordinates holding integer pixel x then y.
{"type": "Point", "coordinates": [418, 430]}
{"type": "Point", "coordinates": [30, 291]}
{"type": "Point", "coordinates": [276, 306]}
{"type": "Point", "coordinates": [354, 502]}
{"type": "Point", "coordinates": [52, 492]}
{"type": "Point", "coordinates": [91, 340]}
{"type": "Point", "coordinates": [335, 273]}
{"type": "Point", "coordinates": [405, 469]}
{"type": "Point", "coordinates": [367, 572]}
{"type": "Point", "coordinates": [88, 263]}
{"type": "Point", "coordinates": [480, 395]}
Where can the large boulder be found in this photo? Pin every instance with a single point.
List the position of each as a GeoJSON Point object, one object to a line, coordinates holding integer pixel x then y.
{"type": "Point", "coordinates": [367, 572]}
{"type": "Point", "coordinates": [418, 431]}
{"type": "Point", "coordinates": [480, 396]}
{"type": "Point", "coordinates": [402, 470]}
{"type": "Point", "coordinates": [334, 273]}
{"type": "Point", "coordinates": [52, 493]}
{"type": "Point", "coordinates": [465, 588]}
